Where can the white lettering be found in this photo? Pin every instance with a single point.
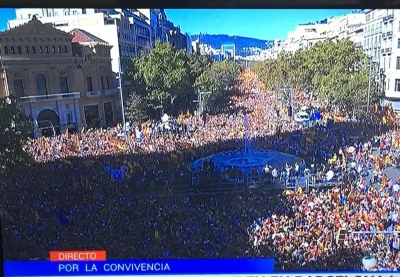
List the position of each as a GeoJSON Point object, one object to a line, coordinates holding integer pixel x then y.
{"type": "Point", "coordinates": [76, 256]}
{"type": "Point", "coordinates": [136, 267]}
{"type": "Point", "coordinates": [90, 269]}
{"type": "Point", "coordinates": [68, 268]}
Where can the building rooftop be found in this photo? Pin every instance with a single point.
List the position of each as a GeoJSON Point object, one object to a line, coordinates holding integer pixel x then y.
{"type": "Point", "coordinates": [81, 36]}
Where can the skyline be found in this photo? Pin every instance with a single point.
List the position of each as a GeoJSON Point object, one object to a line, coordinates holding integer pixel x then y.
{"type": "Point", "coordinates": [254, 23]}
{"type": "Point", "coordinates": [193, 21]}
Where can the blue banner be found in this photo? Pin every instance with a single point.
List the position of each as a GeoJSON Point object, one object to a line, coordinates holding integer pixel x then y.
{"type": "Point", "coordinates": [139, 267]}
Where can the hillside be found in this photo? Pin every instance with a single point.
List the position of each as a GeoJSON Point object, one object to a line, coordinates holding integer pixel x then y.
{"type": "Point", "coordinates": [215, 41]}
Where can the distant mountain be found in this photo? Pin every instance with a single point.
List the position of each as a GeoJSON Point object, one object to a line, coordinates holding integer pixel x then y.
{"type": "Point", "coordinates": [216, 41]}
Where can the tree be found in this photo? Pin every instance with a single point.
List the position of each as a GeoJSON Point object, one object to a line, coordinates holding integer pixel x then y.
{"type": "Point", "coordinates": [218, 79]}
{"type": "Point", "coordinates": [161, 76]}
{"type": "Point", "coordinates": [136, 109]}
{"type": "Point", "coordinates": [15, 128]}
{"type": "Point", "coordinates": [336, 71]}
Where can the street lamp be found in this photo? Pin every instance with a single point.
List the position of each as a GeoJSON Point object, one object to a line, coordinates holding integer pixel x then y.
{"type": "Point", "coordinates": [121, 96]}
{"type": "Point", "coordinates": [201, 100]}
{"type": "Point", "coordinates": [371, 62]}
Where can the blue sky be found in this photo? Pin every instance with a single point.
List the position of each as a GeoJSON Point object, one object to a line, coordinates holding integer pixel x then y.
{"type": "Point", "coordinates": [255, 23]}
{"type": "Point", "coordinates": [262, 24]}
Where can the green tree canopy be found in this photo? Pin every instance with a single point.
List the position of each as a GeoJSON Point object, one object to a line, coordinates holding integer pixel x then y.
{"type": "Point", "coordinates": [167, 80]}
{"type": "Point", "coordinates": [218, 79]}
{"type": "Point", "coordinates": [15, 127]}
{"type": "Point", "coordinates": [336, 71]}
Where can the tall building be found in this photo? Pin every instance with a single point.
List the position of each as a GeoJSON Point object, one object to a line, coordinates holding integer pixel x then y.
{"type": "Point", "coordinates": [390, 55]}
{"type": "Point", "coordinates": [373, 33]}
{"type": "Point", "coordinates": [228, 51]}
{"type": "Point", "coordinates": [126, 30]}
{"type": "Point", "coordinates": [349, 26]}
{"type": "Point", "coordinates": [305, 36]}
{"type": "Point", "coordinates": [62, 80]}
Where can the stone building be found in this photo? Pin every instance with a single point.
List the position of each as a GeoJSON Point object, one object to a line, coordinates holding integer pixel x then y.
{"type": "Point", "coordinates": [62, 80]}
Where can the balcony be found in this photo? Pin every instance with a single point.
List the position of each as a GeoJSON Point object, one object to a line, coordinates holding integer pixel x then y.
{"type": "Point", "coordinates": [384, 36]}
{"type": "Point", "coordinates": [50, 97]}
{"type": "Point", "coordinates": [110, 91]}
{"type": "Point", "coordinates": [93, 93]}
{"type": "Point", "coordinates": [389, 34]}
{"type": "Point", "coordinates": [388, 50]}
{"type": "Point", "coordinates": [357, 45]}
{"type": "Point", "coordinates": [388, 18]}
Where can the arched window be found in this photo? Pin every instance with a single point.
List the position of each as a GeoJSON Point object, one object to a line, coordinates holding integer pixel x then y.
{"type": "Point", "coordinates": [26, 49]}
{"type": "Point", "coordinates": [33, 49]}
{"type": "Point", "coordinates": [19, 88]}
{"type": "Point", "coordinates": [41, 84]}
{"type": "Point", "coordinates": [12, 50]}
{"type": "Point", "coordinates": [54, 49]}
{"type": "Point", "coordinates": [59, 49]}
{"type": "Point", "coordinates": [40, 50]}
{"type": "Point", "coordinates": [5, 50]}
{"type": "Point", "coordinates": [19, 50]}
{"type": "Point", "coordinates": [65, 49]}
{"type": "Point", "coordinates": [47, 49]}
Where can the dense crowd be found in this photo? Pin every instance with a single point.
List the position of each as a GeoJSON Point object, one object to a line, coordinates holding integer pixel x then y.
{"type": "Point", "coordinates": [68, 200]}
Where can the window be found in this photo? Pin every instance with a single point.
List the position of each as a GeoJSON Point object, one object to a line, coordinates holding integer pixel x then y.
{"type": "Point", "coordinates": [89, 83]}
{"type": "Point", "coordinates": [397, 85]}
{"type": "Point", "coordinates": [47, 49]}
{"type": "Point", "coordinates": [65, 49]}
{"type": "Point", "coordinates": [41, 84]}
{"type": "Point", "coordinates": [69, 118]}
{"type": "Point", "coordinates": [54, 49]}
{"type": "Point", "coordinates": [5, 50]}
{"type": "Point", "coordinates": [33, 50]}
{"type": "Point", "coordinates": [59, 49]}
{"type": "Point", "coordinates": [398, 63]}
{"type": "Point", "coordinates": [64, 85]}
{"type": "Point", "coordinates": [27, 50]}
{"type": "Point", "coordinates": [40, 50]}
{"type": "Point", "coordinates": [108, 83]}
{"type": "Point", "coordinates": [19, 50]}
{"type": "Point", "coordinates": [388, 83]}
{"type": "Point", "coordinates": [12, 50]}
{"type": "Point", "coordinates": [102, 82]}
{"type": "Point", "coordinates": [18, 88]}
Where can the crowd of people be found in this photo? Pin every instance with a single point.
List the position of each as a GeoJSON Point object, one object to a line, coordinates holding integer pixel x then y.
{"type": "Point", "coordinates": [69, 199]}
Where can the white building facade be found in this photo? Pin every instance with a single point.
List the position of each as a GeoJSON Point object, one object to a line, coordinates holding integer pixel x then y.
{"type": "Point", "coordinates": [390, 55]}
{"type": "Point", "coordinates": [126, 30]}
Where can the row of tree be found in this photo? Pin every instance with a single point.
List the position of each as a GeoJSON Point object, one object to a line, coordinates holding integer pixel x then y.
{"type": "Point", "coordinates": [169, 80]}
{"type": "Point", "coordinates": [336, 72]}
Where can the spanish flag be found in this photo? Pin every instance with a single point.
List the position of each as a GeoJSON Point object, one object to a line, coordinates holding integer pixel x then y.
{"type": "Point", "coordinates": [299, 191]}
{"type": "Point", "coordinates": [119, 147]}
{"type": "Point", "coordinates": [351, 196]}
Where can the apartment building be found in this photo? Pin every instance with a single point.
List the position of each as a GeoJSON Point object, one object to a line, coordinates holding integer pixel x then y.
{"type": "Point", "coordinates": [373, 29]}
{"type": "Point", "coordinates": [62, 80]}
{"type": "Point", "coordinates": [390, 55]}
{"type": "Point", "coordinates": [126, 30]}
{"type": "Point", "coordinates": [305, 36]}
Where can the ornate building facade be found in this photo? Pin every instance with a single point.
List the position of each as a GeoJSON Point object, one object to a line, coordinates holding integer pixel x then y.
{"type": "Point", "coordinates": [62, 80]}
